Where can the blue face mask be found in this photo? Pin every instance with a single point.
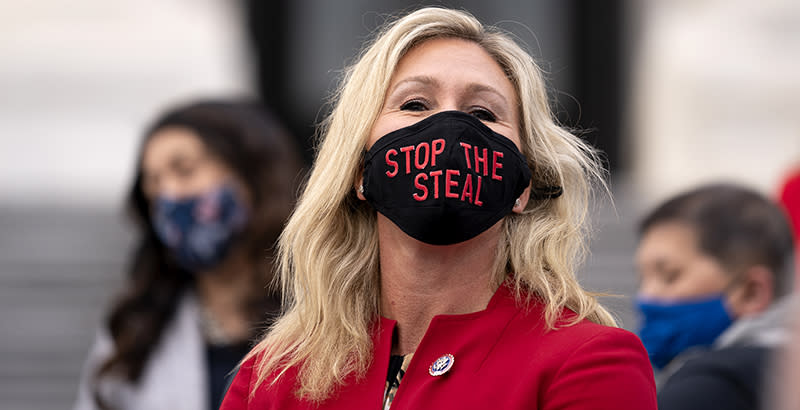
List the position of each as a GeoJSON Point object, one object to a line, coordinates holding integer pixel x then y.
{"type": "Point", "coordinates": [199, 230]}
{"type": "Point", "coordinates": [669, 328]}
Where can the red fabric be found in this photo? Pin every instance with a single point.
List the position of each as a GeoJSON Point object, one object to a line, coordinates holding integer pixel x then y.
{"type": "Point", "coordinates": [790, 199]}
{"type": "Point", "coordinates": [504, 359]}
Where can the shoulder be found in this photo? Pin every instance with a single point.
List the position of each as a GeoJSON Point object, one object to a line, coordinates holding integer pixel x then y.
{"type": "Point", "coordinates": [527, 333]}
{"type": "Point", "coordinates": [275, 391]}
{"type": "Point", "coordinates": [571, 338]}
{"type": "Point", "coordinates": [100, 350]}
{"type": "Point", "coordinates": [575, 365]}
{"type": "Point", "coordinates": [238, 392]}
{"type": "Point", "coordinates": [728, 378]}
{"type": "Point", "coordinates": [587, 365]}
{"type": "Point", "coordinates": [592, 344]}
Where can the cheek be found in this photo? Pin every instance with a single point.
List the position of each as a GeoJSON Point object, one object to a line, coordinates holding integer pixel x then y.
{"type": "Point", "coordinates": [381, 127]}
{"type": "Point", "coordinates": [244, 193]}
{"type": "Point", "coordinates": [149, 189]}
{"type": "Point", "coordinates": [514, 137]}
{"type": "Point", "coordinates": [508, 132]}
{"type": "Point", "coordinates": [703, 281]}
{"type": "Point", "coordinates": [207, 178]}
{"type": "Point", "coordinates": [388, 123]}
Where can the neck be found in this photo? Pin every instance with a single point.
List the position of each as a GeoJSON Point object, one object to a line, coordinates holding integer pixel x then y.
{"type": "Point", "coordinates": [420, 281]}
{"type": "Point", "coordinates": [222, 291]}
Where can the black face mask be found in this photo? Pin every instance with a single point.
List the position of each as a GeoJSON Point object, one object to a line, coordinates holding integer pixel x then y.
{"type": "Point", "coordinates": [445, 179]}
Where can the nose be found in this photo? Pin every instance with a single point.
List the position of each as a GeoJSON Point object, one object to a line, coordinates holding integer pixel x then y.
{"type": "Point", "coordinates": [448, 103]}
{"type": "Point", "coordinates": [649, 289]}
{"type": "Point", "coordinates": [173, 189]}
{"type": "Point", "coordinates": [648, 286]}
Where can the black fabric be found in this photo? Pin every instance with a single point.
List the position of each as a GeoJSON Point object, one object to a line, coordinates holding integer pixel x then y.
{"type": "Point", "coordinates": [446, 178]}
{"type": "Point", "coordinates": [724, 379]}
{"type": "Point", "coordinates": [395, 364]}
{"type": "Point", "coordinates": [222, 360]}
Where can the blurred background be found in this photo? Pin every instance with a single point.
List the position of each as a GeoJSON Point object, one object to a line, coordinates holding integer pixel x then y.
{"type": "Point", "coordinates": [675, 93]}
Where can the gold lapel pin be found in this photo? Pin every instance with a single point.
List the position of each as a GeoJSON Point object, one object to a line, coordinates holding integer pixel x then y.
{"type": "Point", "coordinates": [442, 365]}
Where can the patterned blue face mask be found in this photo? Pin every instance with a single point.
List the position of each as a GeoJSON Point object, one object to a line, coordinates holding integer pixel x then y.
{"type": "Point", "coordinates": [199, 230]}
{"type": "Point", "coordinates": [669, 328]}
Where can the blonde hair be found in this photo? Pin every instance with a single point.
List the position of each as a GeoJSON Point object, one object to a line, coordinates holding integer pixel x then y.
{"type": "Point", "coordinates": [329, 250]}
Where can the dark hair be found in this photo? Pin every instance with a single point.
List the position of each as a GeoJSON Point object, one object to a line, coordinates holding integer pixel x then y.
{"type": "Point", "coordinates": [736, 226]}
{"type": "Point", "coordinates": [245, 137]}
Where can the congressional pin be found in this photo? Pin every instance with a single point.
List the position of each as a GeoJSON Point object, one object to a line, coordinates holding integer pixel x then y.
{"type": "Point", "coordinates": [442, 365]}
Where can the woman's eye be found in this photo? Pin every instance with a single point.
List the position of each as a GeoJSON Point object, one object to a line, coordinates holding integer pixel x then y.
{"type": "Point", "coordinates": [414, 105]}
{"type": "Point", "coordinates": [483, 114]}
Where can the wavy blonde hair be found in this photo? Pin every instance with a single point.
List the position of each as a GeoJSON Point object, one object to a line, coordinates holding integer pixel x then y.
{"type": "Point", "coordinates": [328, 252]}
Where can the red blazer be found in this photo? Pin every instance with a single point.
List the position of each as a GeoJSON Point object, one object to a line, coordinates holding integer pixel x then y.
{"type": "Point", "coordinates": [504, 359]}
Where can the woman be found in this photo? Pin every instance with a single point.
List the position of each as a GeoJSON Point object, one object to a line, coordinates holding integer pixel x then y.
{"type": "Point", "coordinates": [430, 260]}
{"type": "Point", "coordinates": [213, 187]}
{"type": "Point", "coordinates": [714, 266]}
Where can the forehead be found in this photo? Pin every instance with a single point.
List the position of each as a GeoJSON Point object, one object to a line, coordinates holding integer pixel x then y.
{"type": "Point", "coordinates": [452, 62]}
{"type": "Point", "coordinates": [667, 241]}
{"type": "Point", "coordinates": [668, 237]}
{"type": "Point", "coordinates": [168, 142]}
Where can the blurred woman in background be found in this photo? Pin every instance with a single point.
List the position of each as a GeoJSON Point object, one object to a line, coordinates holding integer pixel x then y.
{"type": "Point", "coordinates": [214, 183]}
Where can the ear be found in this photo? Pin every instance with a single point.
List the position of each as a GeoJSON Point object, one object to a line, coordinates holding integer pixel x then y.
{"type": "Point", "coordinates": [359, 183]}
{"type": "Point", "coordinates": [523, 201]}
{"type": "Point", "coordinates": [755, 293]}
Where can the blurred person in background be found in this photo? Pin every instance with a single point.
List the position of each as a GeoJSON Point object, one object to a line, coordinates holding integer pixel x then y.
{"type": "Point", "coordinates": [214, 184]}
{"type": "Point", "coordinates": [715, 269]}
{"type": "Point", "coordinates": [415, 291]}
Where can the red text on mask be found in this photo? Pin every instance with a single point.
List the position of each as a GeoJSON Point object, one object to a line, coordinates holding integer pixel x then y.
{"type": "Point", "coordinates": [466, 187]}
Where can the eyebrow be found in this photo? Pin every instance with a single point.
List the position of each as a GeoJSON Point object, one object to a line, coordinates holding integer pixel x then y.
{"type": "Point", "coordinates": [430, 81]}
{"type": "Point", "coordinates": [479, 88]}
{"type": "Point", "coordinates": [422, 79]}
